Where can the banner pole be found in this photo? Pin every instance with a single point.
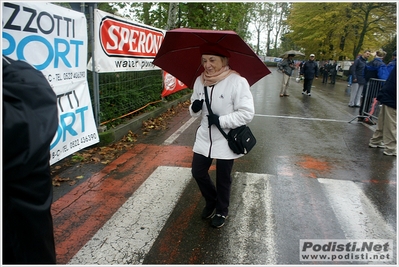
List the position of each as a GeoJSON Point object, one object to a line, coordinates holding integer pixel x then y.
{"type": "Point", "coordinates": [95, 74]}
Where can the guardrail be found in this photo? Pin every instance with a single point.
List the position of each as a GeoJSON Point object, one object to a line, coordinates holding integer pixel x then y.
{"type": "Point", "coordinates": [370, 105]}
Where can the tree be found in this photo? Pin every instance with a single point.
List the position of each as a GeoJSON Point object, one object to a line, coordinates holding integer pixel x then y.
{"type": "Point", "coordinates": [376, 23]}
{"type": "Point", "coordinates": [282, 10]}
{"type": "Point", "coordinates": [260, 20]}
{"type": "Point", "coordinates": [341, 30]}
{"type": "Point", "coordinates": [172, 15]}
{"type": "Point", "coordinates": [216, 16]}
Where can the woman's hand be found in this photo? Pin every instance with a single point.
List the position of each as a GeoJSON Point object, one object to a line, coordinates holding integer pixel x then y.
{"type": "Point", "coordinates": [197, 105]}
{"type": "Point", "coordinates": [213, 119]}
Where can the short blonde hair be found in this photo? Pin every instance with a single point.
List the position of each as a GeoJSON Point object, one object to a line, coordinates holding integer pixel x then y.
{"type": "Point", "coordinates": [225, 61]}
{"type": "Point", "coordinates": [380, 53]}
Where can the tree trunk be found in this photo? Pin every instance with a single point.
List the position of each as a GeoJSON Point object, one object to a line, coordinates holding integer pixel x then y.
{"type": "Point", "coordinates": [172, 15]}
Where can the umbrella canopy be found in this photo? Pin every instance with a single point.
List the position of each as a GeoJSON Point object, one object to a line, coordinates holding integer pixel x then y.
{"type": "Point", "coordinates": [292, 52]}
{"type": "Point", "coordinates": [180, 54]}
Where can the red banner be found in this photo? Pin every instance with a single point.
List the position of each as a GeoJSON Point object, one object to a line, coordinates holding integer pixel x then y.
{"type": "Point", "coordinates": [121, 38]}
{"type": "Point", "coordinates": [171, 84]}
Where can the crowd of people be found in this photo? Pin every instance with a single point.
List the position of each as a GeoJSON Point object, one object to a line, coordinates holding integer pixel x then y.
{"type": "Point", "coordinates": [360, 74]}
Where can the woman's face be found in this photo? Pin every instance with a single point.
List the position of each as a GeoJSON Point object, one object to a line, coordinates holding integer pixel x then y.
{"type": "Point", "coordinates": [212, 64]}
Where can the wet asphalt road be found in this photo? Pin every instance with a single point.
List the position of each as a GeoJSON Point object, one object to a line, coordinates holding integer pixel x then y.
{"type": "Point", "coordinates": [310, 176]}
{"type": "Point", "coordinates": [299, 139]}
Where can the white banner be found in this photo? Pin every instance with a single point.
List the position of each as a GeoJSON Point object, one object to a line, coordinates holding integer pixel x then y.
{"type": "Point", "coordinates": [54, 40]}
{"type": "Point", "coordinates": [123, 45]}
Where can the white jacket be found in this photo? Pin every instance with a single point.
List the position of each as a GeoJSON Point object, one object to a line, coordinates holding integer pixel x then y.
{"type": "Point", "coordinates": [230, 99]}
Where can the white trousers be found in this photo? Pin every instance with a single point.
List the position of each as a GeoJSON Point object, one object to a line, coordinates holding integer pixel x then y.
{"type": "Point", "coordinates": [356, 93]}
{"type": "Point", "coordinates": [286, 82]}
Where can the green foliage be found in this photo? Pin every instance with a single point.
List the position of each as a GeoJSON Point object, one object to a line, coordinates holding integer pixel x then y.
{"type": "Point", "coordinates": [390, 48]}
{"type": "Point", "coordinates": [331, 30]}
{"type": "Point", "coordinates": [124, 92]}
{"type": "Point", "coordinates": [77, 158]}
{"type": "Point", "coordinates": [338, 30]}
{"type": "Point", "coordinates": [205, 15]}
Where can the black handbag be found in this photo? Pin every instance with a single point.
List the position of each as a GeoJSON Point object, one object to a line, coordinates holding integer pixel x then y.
{"type": "Point", "coordinates": [240, 140]}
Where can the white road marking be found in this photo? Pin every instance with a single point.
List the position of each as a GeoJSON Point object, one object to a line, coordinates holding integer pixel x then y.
{"type": "Point", "coordinates": [176, 134]}
{"type": "Point", "coordinates": [358, 217]}
{"type": "Point", "coordinates": [130, 233]}
{"type": "Point", "coordinates": [252, 222]}
{"type": "Point", "coordinates": [250, 231]}
{"type": "Point", "coordinates": [299, 118]}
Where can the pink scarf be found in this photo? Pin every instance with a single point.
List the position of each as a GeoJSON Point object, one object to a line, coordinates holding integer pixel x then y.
{"type": "Point", "coordinates": [211, 79]}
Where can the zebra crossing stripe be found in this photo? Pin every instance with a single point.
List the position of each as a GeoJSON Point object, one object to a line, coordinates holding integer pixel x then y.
{"type": "Point", "coordinates": [255, 196]}
{"type": "Point", "coordinates": [358, 217]}
{"type": "Point", "coordinates": [130, 233]}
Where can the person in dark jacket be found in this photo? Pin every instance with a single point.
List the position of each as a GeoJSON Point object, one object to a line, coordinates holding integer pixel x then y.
{"type": "Point", "coordinates": [358, 80]}
{"type": "Point", "coordinates": [309, 71]}
{"type": "Point", "coordinates": [326, 71]}
{"type": "Point", "coordinates": [333, 71]}
{"type": "Point", "coordinates": [30, 121]}
{"type": "Point", "coordinates": [385, 134]}
{"type": "Point", "coordinates": [392, 63]}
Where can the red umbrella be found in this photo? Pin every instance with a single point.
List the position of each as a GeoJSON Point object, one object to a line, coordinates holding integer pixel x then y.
{"type": "Point", "coordinates": [180, 54]}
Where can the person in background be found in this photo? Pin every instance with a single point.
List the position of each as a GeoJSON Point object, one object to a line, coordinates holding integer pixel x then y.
{"type": "Point", "coordinates": [30, 121]}
{"type": "Point", "coordinates": [286, 67]}
{"type": "Point", "coordinates": [326, 71]}
{"type": "Point", "coordinates": [333, 71]}
{"type": "Point", "coordinates": [385, 134]}
{"type": "Point", "coordinates": [392, 63]}
{"type": "Point", "coordinates": [358, 81]}
{"type": "Point", "coordinates": [350, 75]}
{"type": "Point", "coordinates": [232, 104]}
{"type": "Point", "coordinates": [375, 69]}
{"type": "Point", "coordinates": [309, 71]}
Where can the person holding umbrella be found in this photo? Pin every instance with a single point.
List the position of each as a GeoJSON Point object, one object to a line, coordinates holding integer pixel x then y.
{"type": "Point", "coordinates": [286, 67]}
{"type": "Point", "coordinates": [232, 104]}
{"type": "Point", "coordinates": [221, 64]}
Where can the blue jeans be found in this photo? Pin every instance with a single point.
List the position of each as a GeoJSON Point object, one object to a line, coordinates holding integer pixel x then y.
{"type": "Point", "coordinates": [350, 80]}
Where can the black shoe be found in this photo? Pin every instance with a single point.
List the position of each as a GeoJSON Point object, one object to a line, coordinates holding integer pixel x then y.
{"type": "Point", "coordinates": [218, 220]}
{"type": "Point", "coordinates": [208, 213]}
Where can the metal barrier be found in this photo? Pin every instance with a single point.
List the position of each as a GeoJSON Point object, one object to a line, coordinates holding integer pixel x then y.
{"type": "Point", "coordinates": [370, 105]}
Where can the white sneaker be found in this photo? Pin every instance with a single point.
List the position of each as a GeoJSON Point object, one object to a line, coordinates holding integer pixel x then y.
{"type": "Point", "coordinates": [309, 94]}
{"type": "Point", "coordinates": [390, 153]}
{"type": "Point", "coordinates": [380, 145]}
{"type": "Point", "coordinates": [303, 93]}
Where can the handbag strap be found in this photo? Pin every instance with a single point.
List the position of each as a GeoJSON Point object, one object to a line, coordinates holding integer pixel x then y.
{"type": "Point", "coordinates": [208, 105]}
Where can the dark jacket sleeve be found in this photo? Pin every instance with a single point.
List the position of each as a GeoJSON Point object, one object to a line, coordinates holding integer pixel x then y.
{"type": "Point", "coordinates": [387, 94]}
{"type": "Point", "coordinates": [30, 121]}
